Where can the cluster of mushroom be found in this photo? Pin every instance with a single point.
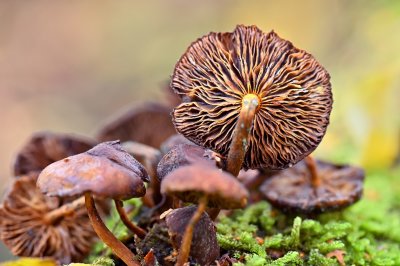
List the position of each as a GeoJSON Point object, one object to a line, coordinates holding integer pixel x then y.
{"type": "Point", "coordinates": [249, 105]}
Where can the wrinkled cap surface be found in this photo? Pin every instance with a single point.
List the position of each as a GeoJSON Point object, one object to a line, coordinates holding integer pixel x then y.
{"type": "Point", "coordinates": [25, 231]}
{"type": "Point", "coordinates": [290, 189]}
{"type": "Point", "coordinates": [149, 124]}
{"type": "Point", "coordinates": [191, 182]}
{"type": "Point", "coordinates": [106, 171]}
{"type": "Point", "coordinates": [44, 148]}
{"type": "Point", "coordinates": [184, 154]}
{"type": "Point", "coordinates": [204, 249]}
{"type": "Point", "coordinates": [293, 89]}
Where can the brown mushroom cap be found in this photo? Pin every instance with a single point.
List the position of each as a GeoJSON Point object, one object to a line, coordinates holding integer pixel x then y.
{"type": "Point", "coordinates": [190, 183]}
{"type": "Point", "coordinates": [26, 232]}
{"type": "Point", "coordinates": [204, 249]}
{"type": "Point", "coordinates": [290, 190]}
{"type": "Point", "coordinates": [172, 141]}
{"type": "Point", "coordinates": [106, 171]}
{"type": "Point", "coordinates": [184, 154]}
{"type": "Point", "coordinates": [44, 148]}
{"type": "Point", "coordinates": [294, 92]}
{"type": "Point", "coordinates": [149, 124]}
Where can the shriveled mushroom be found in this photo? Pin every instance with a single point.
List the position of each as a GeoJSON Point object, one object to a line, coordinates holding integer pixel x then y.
{"type": "Point", "coordinates": [314, 187]}
{"type": "Point", "coordinates": [106, 171]}
{"type": "Point", "coordinates": [44, 148]}
{"type": "Point", "coordinates": [204, 247]}
{"type": "Point", "coordinates": [205, 185]}
{"type": "Point", "coordinates": [33, 225]}
{"type": "Point", "coordinates": [253, 97]}
{"type": "Point", "coordinates": [149, 124]}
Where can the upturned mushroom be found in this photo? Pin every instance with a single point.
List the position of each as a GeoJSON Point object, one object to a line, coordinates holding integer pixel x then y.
{"type": "Point", "coordinates": [33, 225]}
{"type": "Point", "coordinates": [252, 97]}
{"type": "Point", "coordinates": [44, 148]}
{"type": "Point", "coordinates": [105, 171]}
{"type": "Point", "coordinates": [314, 186]}
{"type": "Point", "coordinates": [205, 185]}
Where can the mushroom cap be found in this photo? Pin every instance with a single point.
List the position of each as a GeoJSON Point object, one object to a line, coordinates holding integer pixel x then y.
{"type": "Point", "coordinates": [106, 171]}
{"type": "Point", "coordinates": [191, 182]}
{"type": "Point", "coordinates": [172, 141]}
{"type": "Point", "coordinates": [25, 231]}
{"type": "Point", "coordinates": [204, 248]}
{"type": "Point", "coordinates": [149, 124]}
{"type": "Point", "coordinates": [44, 148]}
{"type": "Point", "coordinates": [290, 189]}
{"type": "Point", "coordinates": [294, 92]}
{"type": "Point", "coordinates": [184, 154]}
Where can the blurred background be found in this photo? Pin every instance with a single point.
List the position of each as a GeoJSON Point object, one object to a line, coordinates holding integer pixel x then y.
{"type": "Point", "coordinates": [66, 66]}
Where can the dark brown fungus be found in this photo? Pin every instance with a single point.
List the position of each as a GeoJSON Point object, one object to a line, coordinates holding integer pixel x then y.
{"type": "Point", "coordinates": [33, 225]}
{"type": "Point", "coordinates": [185, 154]}
{"type": "Point", "coordinates": [44, 148]}
{"type": "Point", "coordinates": [149, 124]}
{"type": "Point", "coordinates": [172, 141]}
{"type": "Point", "coordinates": [253, 97]}
{"type": "Point", "coordinates": [206, 185]}
{"type": "Point", "coordinates": [204, 248]}
{"type": "Point", "coordinates": [292, 190]}
{"type": "Point", "coordinates": [105, 171]}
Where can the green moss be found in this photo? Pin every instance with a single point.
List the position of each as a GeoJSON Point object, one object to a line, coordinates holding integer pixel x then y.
{"type": "Point", "coordinates": [368, 233]}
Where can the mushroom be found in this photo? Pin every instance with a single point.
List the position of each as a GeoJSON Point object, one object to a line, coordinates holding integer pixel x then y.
{"type": "Point", "coordinates": [44, 148]}
{"type": "Point", "coordinates": [33, 225]}
{"type": "Point", "coordinates": [185, 154]}
{"type": "Point", "coordinates": [172, 141]}
{"type": "Point", "coordinates": [149, 124]}
{"type": "Point", "coordinates": [314, 186]}
{"type": "Point", "coordinates": [252, 97]}
{"type": "Point", "coordinates": [106, 171]}
{"type": "Point", "coordinates": [205, 185]}
{"type": "Point", "coordinates": [204, 247]}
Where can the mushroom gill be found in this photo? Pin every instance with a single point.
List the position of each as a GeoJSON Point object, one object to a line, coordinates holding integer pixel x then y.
{"type": "Point", "coordinates": [292, 89]}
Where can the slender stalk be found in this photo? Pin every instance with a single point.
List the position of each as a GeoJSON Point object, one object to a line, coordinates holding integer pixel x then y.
{"type": "Point", "coordinates": [188, 235]}
{"type": "Point", "coordinates": [106, 236]}
{"type": "Point", "coordinates": [312, 167]}
{"type": "Point", "coordinates": [239, 144]}
{"type": "Point", "coordinates": [67, 209]}
{"type": "Point", "coordinates": [127, 222]}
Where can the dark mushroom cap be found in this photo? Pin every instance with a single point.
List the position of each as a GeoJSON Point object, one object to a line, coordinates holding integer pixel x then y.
{"type": "Point", "coordinates": [204, 249]}
{"type": "Point", "coordinates": [294, 91]}
{"type": "Point", "coordinates": [106, 171]}
{"type": "Point", "coordinates": [184, 154]}
{"type": "Point", "coordinates": [172, 141]}
{"type": "Point", "coordinates": [189, 183]}
{"type": "Point", "coordinates": [149, 124]}
{"type": "Point", "coordinates": [44, 148]}
{"type": "Point", "coordinates": [24, 230]}
{"type": "Point", "coordinates": [290, 189]}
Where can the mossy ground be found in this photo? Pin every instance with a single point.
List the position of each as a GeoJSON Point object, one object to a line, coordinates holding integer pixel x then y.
{"type": "Point", "coordinates": [367, 233]}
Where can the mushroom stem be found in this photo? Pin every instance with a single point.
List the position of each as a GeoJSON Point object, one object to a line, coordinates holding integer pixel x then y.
{"type": "Point", "coordinates": [312, 167]}
{"type": "Point", "coordinates": [106, 236]}
{"type": "Point", "coordinates": [188, 235]}
{"type": "Point", "coordinates": [239, 144]}
{"type": "Point", "coordinates": [55, 215]}
{"type": "Point", "coordinates": [127, 222]}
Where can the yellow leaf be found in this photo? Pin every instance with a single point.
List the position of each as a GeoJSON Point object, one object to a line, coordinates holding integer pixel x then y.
{"type": "Point", "coordinates": [30, 262]}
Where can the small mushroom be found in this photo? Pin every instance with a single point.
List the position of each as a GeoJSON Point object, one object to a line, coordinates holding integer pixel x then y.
{"type": "Point", "coordinates": [105, 171]}
{"type": "Point", "coordinates": [172, 141]}
{"type": "Point", "coordinates": [204, 247]}
{"type": "Point", "coordinates": [149, 124]}
{"type": "Point", "coordinates": [205, 185]}
{"type": "Point", "coordinates": [44, 148]}
{"type": "Point", "coordinates": [185, 154]}
{"type": "Point", "coordinates": [252, 97]}
{"type": "Point", "coordinates": [33, 225]}
{"type": "Point", "coordinates": [314, 187]}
